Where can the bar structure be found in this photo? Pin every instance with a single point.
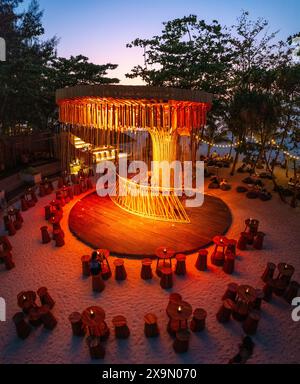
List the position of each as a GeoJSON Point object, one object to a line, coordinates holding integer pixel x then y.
{"type": "Point", "coordinates": [94, 118]}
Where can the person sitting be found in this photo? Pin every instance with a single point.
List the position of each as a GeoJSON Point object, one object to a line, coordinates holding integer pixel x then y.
{"type": "Point", "coordinates": [95, 265]}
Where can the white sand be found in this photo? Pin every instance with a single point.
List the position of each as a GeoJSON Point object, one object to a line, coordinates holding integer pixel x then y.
{"type": "Point", "coordinates": [277, 340]}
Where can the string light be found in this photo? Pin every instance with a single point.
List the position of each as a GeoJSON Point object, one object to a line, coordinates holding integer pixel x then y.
{"type": "Point", "coordinates": [250, 140]}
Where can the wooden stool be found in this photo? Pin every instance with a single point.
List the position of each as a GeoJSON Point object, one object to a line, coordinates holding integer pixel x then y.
{"type": "Point", "coordinates": [259, 240]}
{"type": "Point", "coordinates": [269, 272]}
{"type": "Point", "coordinates": [56, 230]}
{"type": "Point", "coordinates": [120, 271]}
{"type": "Point", "coordinates": [268, 290]}
{"type": "Point", "coordinates": [77, 325]}
{"type": "Point", "coordinates": [258, 300]}
{"type": "Point", "coordinates": [243, 241]}
{"type": "Point", "coordinates": [106, 272]}
{"type": "Point", "coordinates": [151, 327]}
{"type": "Point", "coordinates": [224, 313]}
{"type": "Point", "coordinates": [18, 225]}
{"type": "Point", "coordinates": [97, 283]}
{"type": "Point", "coordinates": [96, 349]}
{"type": "Point", "coordinates": [60, 198]}
{"type": "Point", "coordinates": [24, 205]}
{"type": "Point", "coordinates": [240, 311]}
{"type": "Point", "coordinates": [48, 318]}
{"type": "Point", "coordinates": [251, 323]}
{"type": "Point", "coordinates": [228, 266]}
{"type": "Point", "coordinates": [11, 229]}
{"type": "Point", "coordinates": [47, 212]}
{"type": "Point", "coordinates": [8, 261]}
{"type": "Point", "coordinates": [231, 292]}
{"type": "Point", "coordinates": [105, 332]}
{"type": "Point", "coordinates": [5, 243]}
{"type": "Point", "coordinates": [35, 317]}
{"type": "Point", "coordinates": [121, 329]}
{"type": "Point", "coordinates": [173, 327]}
{"type": "Point", "coordinates": [279, 287]}
{"type": "Point", "coordinates": [45, 297]}
{"type": "Point", "coordinates": [59, 238]}
{"type": "Point", "coordinates": [231, 247]}
{"type": "Point", "coordinates": [46, 239]}
{"type": "Point", "coordinates": [6, 222]}
{"type": "Point", "coordinates": [22, 327]}
{"type": "Point", "coordinates": [198, 321]}
{"type": "Point", "coordinates": [146, 272]}
{"type": "Point", "coordinates": [180, 265]}
{"type": "Point", "coordinates": [85, 261]}
{"type": "Point", "coordinates": [291, 292]}
{"type": "Point", "coordinates": [181, 343]}
{"type": "Point", "coordinates": [201, 263]}
{"type": "Point", "coordinates": [166, 281]}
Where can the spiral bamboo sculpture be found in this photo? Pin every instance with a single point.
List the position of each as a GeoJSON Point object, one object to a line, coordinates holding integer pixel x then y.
{"type": "Point", "coordinates": [100, 115]}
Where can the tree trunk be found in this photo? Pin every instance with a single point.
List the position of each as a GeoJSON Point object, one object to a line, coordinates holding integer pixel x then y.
{"type": "Point", "coordinates": [276, 185]}
{"type": "Point", "coordinates": [278, 152]}
{"type": "Point", "coordinates": [234, 163]}
{"type": "Point", "coordinates": [294, 198]}
{"type": "Point", "coordinates": [208, 150]}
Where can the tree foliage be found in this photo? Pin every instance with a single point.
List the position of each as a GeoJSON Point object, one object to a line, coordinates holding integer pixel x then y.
{"type": "Point", "coordinates": [253, 77]}
{"type": "Point", "coordinates": [32, 72]}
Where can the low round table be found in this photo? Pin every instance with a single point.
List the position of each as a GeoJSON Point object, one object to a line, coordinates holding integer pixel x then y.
{"type": "Point", "coordinates": [218, 257]}
{"type": "Point", "coordinates": [26, 300]}
{"type": "Point", "coordinates": [286, 271]}
{"type": "Point", "coordinates": [93, 319]}
{"type": "Point", "coordinates": [246, 294]}
{"type": "Point", "coordinates": [180, 311]}
{"type": "Point", "coordinates": [164, 255]}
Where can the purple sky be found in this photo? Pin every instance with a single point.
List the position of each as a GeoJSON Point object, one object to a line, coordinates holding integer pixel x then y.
{"type": "Point", "coordinates": [101, 29]}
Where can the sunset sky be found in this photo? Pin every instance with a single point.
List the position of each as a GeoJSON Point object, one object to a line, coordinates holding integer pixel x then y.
{"type": "Point", "coordinates": [101, 29]}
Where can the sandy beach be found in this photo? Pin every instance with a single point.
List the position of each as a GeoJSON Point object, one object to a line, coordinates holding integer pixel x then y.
{"type": "Point", "coordinates": [277, 340]}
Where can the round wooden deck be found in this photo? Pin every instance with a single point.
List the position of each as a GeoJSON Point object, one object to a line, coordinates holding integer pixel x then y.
{"type": "Point", "coordinates": [99, 223]}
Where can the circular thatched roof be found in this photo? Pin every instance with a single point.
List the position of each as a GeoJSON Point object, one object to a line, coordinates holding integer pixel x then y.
{"type": "Point", "coordinates": [133, 92]}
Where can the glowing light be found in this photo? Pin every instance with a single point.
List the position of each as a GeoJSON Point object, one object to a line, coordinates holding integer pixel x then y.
{"type": "Point", "coordinates": [164, 120]}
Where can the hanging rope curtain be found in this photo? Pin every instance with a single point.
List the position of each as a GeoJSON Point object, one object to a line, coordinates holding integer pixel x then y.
{"type": "Point", "coordinates": [180, 116]}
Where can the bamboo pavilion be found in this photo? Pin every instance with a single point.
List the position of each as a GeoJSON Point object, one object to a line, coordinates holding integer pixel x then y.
{"type": "Point", "coordinates": [97, 121]}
